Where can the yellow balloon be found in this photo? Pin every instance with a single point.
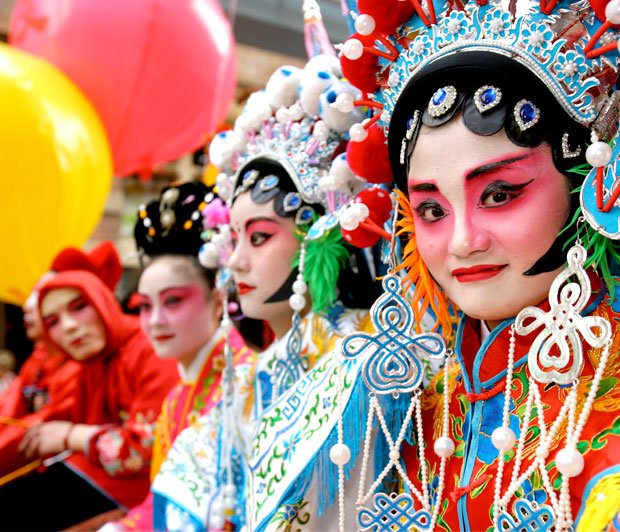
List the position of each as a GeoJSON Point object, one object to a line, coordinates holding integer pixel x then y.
{"type": "Point", "coordinates": [56, 169]}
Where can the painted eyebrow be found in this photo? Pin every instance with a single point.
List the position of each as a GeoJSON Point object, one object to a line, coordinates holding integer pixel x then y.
{"type": "Point", "coordinates": [494, 166]}
{"type": "Point", "coordinates": [251, 221]}
{"type": "Point", "coordinates": [423, 187]}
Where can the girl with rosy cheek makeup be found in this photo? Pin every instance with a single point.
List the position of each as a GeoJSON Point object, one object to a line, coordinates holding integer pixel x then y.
{"type": "Point", "coordinates": [180, 311]}
{"type": "Point", "coordinates": [294, 269]}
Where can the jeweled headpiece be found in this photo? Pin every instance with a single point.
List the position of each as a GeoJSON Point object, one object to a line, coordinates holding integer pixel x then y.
{"type": "Point", "coordinates": [293, 123]}
{"type": "Point", "coordinates": [568, 49]}
{"type": "Point", "coordinates": [186, 219]}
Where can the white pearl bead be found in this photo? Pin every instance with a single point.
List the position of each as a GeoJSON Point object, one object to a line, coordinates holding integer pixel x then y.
{"type": "Point", "coordinates": [340, 454]}
{"type": "Point", "coordinates": [297, 302]}
{"type": "Point", "coordinates": [444, 447]}
{"type": "Point", "coordinates": [360, 210]}
{"type": "Point", "coordinates": [300, 287]}
{"type": "Point", "coordinates": [344, 102]}
{"type": "Point", "coordinates": [296, 112]}
{"type": "Point", "coordinates": [612, 12]}
{"type": "Point", "coordinates": [569, 462]}
{"type": "Point", "coordinates": [598, 154]}
{"type": "Point", "coordinates": [348, 220]}
{"type": "Point", "coordinates": [217, 508]}
{"type": "Point", "coordinates": [216, 522]}
{"type": "Point", "coordinates": [358, 133]}
{"type": "Point", "coordinates": [230, 503]}
{"type": "Point", "coordinates": [321, 130]}
{"type": "Point", "coordinates": [282, 115]}
{"type": "Point", "coordinates": [208, 255]}
{"type": "Point", "coordinates": [365, 24]}
{"type": "Point", "coordinates": [226, 324]}
{"type": "Point", "coordinates": [353, 49]}
{"type": "Point", "coordinates": [542, 452]}
{"type": "Point", "coordinates": [503, 439]}
{"type": "Point", "coordinates": [230, 490]}
{"type": "Point", "coordinates": [394, 456]}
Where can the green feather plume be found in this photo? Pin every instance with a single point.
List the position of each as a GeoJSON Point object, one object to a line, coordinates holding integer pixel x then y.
{"type": "Point", "coordinates": [325, 257]}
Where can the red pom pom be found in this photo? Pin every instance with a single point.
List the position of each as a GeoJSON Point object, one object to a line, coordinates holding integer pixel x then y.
{"type": "Point", "coordinates": [360, 237]}
{"type": "Point", "coordinates": [361, 72]}
{"type": "Point", "coordinates": [388, 14]}
{"type": "Point", "coordinates": [369, 159]}
{"type": "Point", "coordinates": [378, 202]}
{"type": "Point", "coordinates": [599, 8]}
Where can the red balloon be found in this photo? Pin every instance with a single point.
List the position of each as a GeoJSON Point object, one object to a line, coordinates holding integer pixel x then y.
{"type": "Point", "coordinates": [161, 73]}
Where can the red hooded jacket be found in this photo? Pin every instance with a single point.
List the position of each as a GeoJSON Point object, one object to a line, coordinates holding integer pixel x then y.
{"type": "Point", "coordinates": [121, 390]}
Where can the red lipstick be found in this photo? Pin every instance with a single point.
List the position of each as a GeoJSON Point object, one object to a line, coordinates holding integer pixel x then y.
{"type": "Point", "coordinates": [243, 288]}
{"type": "Point", "coordinates": [164, 337]}
{"type": "Point", "coordinates": [480, 272]}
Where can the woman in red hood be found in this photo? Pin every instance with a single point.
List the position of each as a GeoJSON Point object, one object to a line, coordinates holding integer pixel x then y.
{"type": "Point", "coordinates": [110, 428]}
{"type": "Point", "coordinates": [44, 389]}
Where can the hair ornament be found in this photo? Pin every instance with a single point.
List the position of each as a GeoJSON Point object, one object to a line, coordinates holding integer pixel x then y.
{"type": "Point", "coordinates": [487, 97]}
{"type": "Point", "coordinates": [268, 183]}
{"type": "Point", "coordinates": [412, 125]}
{"type": "Point", "coordinates": [187, 219]}
{"type": "Point", "coordinates": [442, 101]}
{"type": "Point", "coordinates": [526, 114]}
{"type": "Point", "coordinates": [573, 53]}
{"type": "Point", "coordinates": [567, 152]}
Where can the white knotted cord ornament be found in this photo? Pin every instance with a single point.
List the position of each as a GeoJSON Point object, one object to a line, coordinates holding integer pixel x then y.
{"type": "Point", "coordinates": [561, 324]}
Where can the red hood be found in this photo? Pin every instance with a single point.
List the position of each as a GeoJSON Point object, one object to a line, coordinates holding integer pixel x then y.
{"type": "Point", "coordinates": [119, 327]}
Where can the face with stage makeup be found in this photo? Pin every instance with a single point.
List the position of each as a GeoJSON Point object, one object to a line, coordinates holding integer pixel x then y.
{"type": "Point", "coordinates": [73, 323]}
{"type": "Point", "coordinates": [264, 246]}
{"type": "Point", "coordinates": [484, 215]}
{"type": "Point", "coordinates": [178, 310]}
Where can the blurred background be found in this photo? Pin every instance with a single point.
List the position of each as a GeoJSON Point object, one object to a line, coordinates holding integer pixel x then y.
{"type": "Point", "coordinates": [65, 33]}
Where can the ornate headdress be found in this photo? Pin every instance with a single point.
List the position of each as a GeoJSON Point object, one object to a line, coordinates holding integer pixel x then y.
{"type": "Point", "coordinates": [569, 49]}
{"type": "Point", "coordinates": [294, 131]}
{"type": "Point", "coordinates": [187, 219]}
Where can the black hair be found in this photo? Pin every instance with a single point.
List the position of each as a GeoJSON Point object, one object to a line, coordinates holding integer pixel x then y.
{"type": "Point", "coordinates": [467, 72]}
{"type": "Point", "coordinates": [172, 226]}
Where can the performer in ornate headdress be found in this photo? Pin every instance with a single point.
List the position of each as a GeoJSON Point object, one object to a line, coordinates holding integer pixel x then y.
{"type": "Point", "coordinates": [284, 176]}
{"type": "Point", "coordinates": [501, 127]}
{"type": "Point", "coordinates": [181, 310]}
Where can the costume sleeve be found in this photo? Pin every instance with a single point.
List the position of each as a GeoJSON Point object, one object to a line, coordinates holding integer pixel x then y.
{"type": "Point", "coordinates": [125, 448]}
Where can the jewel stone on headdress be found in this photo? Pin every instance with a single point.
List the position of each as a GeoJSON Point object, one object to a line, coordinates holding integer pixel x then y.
{"type": "Point", "coordinates": [291, 202]}
{"type": "Point", "coordinates": [487, 97]}
{"type": "Point", "coordinates": [442, 101]}
{"type": "Point", "coordinates": [304, 215]}
{"type": "Point", "coordinates": [526, 114]}
{"type": "Point", "coordinates": [249, 178]}
{"type": "Point", "coordinates": [268, 183]}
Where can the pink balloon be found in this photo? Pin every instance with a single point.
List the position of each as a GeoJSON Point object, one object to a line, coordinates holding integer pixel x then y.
{"type": "Point", "coordinates": [161, 73]}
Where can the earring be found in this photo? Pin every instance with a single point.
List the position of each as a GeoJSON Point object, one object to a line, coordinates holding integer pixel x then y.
{"type": "Point", "coordinates": [289, 370]}
{"type": "Point", "coordinates": [556, 356]}
{"type": "Point", "coordinates": [391, 366]}
{"type": "Point", "coordinates": [225, 503]}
